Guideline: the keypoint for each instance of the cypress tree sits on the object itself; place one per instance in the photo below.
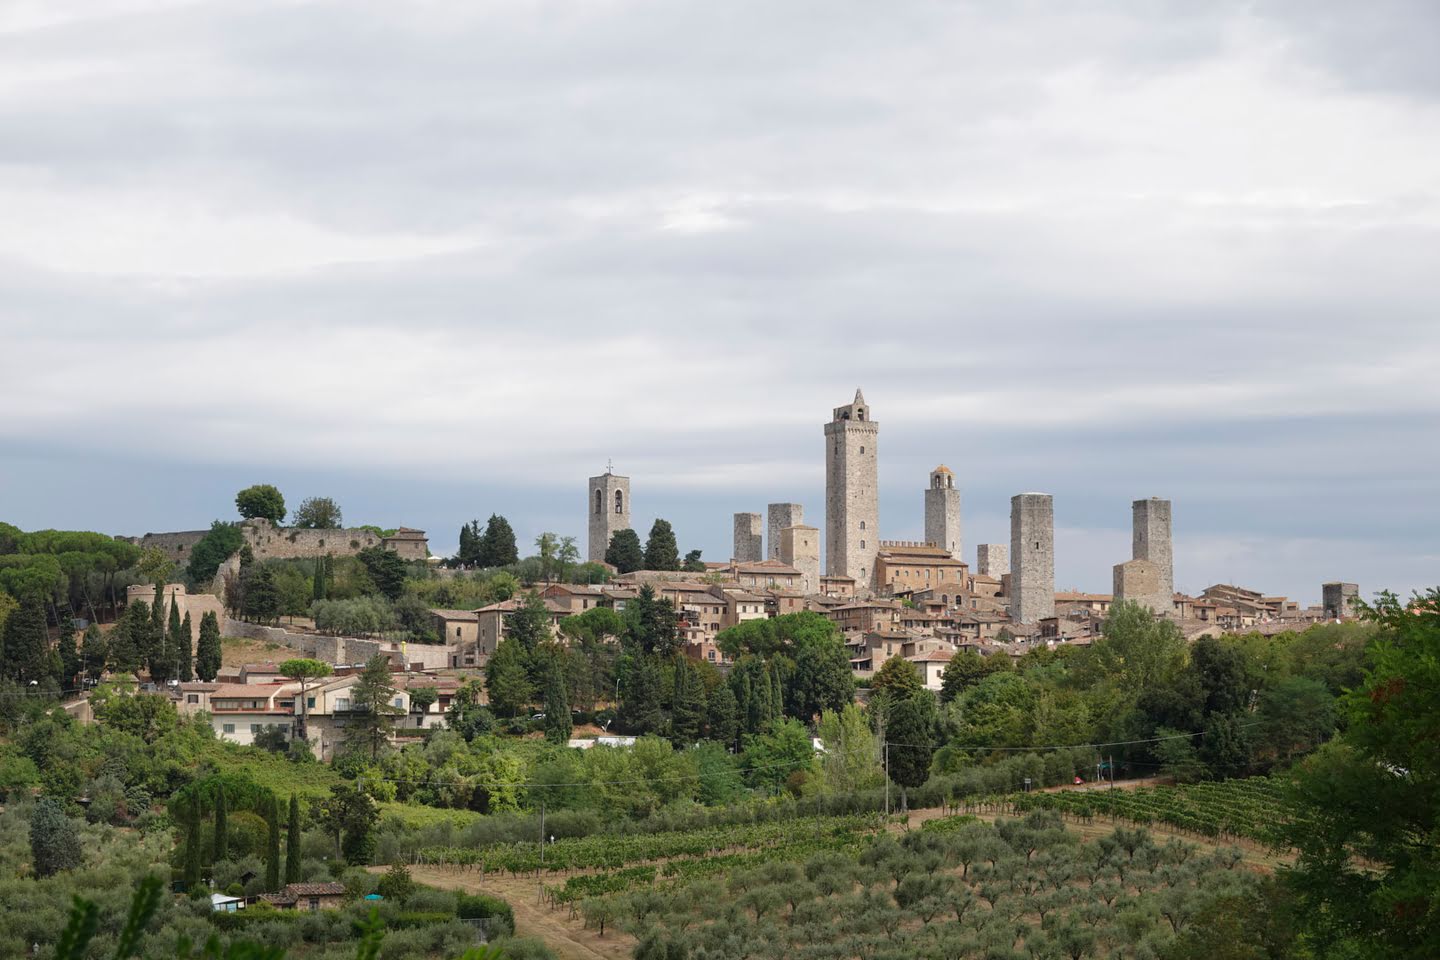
(558, 725)
(496, 546)
(177, 645)
(292, 842)
(207, 653)
(27, 642)
(624, 552)
(157, 609)
(272, 857)
(187, 660)
(661, 550)
(222, 830)
(688, 715)
(777, 696)
(192, 843)
(94, 651)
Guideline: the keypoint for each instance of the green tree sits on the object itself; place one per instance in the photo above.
(467, 716)
(318, 513)
(396, 885)
(129, 639)
(272, 847)
(292, 842)
(261, 501)
(468, 553)
(94, 652)
(624, 552)
(965, 669)
(567, 555)
(852, 760)
(1368, 833)
(1296, 716)
(723, 716)
(149, 716)
(687, 718)
(386, 568)
(177, 643)
(497, 546)
(693, 563)
(507, 679)
(350, 815)
(640, 695)
(822, 678)
(1137, 651)
(661, 550)
(547, 546)
(27, 642)
(54, 841)
(207, 650)
(262, 595)
(652, 623)
(372, 700)
(218, 545)
(182, 644)
(774, 757)
(421, 700)
(529, 625)
(909, 734)
(221, 848)
(557, 706)
(67, 649)
(194, 854)
(304, 671)
(897, 679)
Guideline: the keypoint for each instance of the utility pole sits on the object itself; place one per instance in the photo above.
(885, 749)
(1112, 771)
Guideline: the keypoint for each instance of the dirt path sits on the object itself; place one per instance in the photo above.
(568, 938)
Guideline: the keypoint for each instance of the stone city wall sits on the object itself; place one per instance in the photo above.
(269, 542)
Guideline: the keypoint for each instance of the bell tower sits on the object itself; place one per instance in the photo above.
(609, 509)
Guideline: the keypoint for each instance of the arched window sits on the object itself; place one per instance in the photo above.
(619, 502)
(862, 448)
(599, 502)
(862, 524)
(862, 544)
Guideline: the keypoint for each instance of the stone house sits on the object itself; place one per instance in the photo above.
(458, 628)
(907, 565)
(837, 585)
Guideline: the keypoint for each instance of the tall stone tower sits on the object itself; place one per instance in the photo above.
(852, 481)
(800, 548)
(1339, 599)
(747, 538)
(1149, 577)
(1150, 540)
(942, 512)
(609, 506)
(1032, 557)
(780, 516)
(992, 560)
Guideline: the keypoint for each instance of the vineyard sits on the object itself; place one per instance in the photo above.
(1248, 809)
(613, 852)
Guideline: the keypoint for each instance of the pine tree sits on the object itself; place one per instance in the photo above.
(558, 725)
(272, 857)
(624, 552)
(375, 712)
(221, 849)
(661, 550)
(207, 653)
(187, 660)
(292, 842)
(27, 642)
(497, 545)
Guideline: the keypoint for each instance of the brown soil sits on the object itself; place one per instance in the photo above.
(238, 651)
(568, 938)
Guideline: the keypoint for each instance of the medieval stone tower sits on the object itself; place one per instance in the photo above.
(942, 511)
(800, 548)
(1032, 557)
(1149, 578)
(852, 481)
(779, 516)
(609, 506)
(747, 538)
(992, 560)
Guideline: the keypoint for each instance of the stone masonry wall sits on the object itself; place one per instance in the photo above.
(852, 510)
(992, 560)
(1150, 540)
(1338, 599)
(747, 546)
(1032, 557)
(778, 517)
(1142, 582)
(267, 542)
(605, 519)
(942, 518)
(800, 548)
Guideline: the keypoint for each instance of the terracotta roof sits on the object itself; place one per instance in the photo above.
(249, 691)
(407, 533)
(315, 889)
(456, 614)
(1075, 596)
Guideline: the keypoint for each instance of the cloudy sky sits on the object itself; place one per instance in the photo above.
(442, 259)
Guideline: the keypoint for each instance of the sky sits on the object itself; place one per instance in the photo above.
(439, 260)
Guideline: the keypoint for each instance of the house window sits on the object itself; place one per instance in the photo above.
(227, 728)
(342, 703)
(314, 903)
(457, 631)
(192, 698)
(310, 702)
(400, 703)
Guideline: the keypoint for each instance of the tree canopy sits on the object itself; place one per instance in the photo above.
(261, 501)
(318, 513)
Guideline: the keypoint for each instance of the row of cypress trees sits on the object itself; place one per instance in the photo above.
(198, 857)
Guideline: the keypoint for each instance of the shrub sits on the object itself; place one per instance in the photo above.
(397, 884)
(479, 906)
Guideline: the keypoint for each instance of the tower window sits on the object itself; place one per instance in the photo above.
(862, 544)
(862, 524)
(619, 502)
(599, 502)
(862, 448)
